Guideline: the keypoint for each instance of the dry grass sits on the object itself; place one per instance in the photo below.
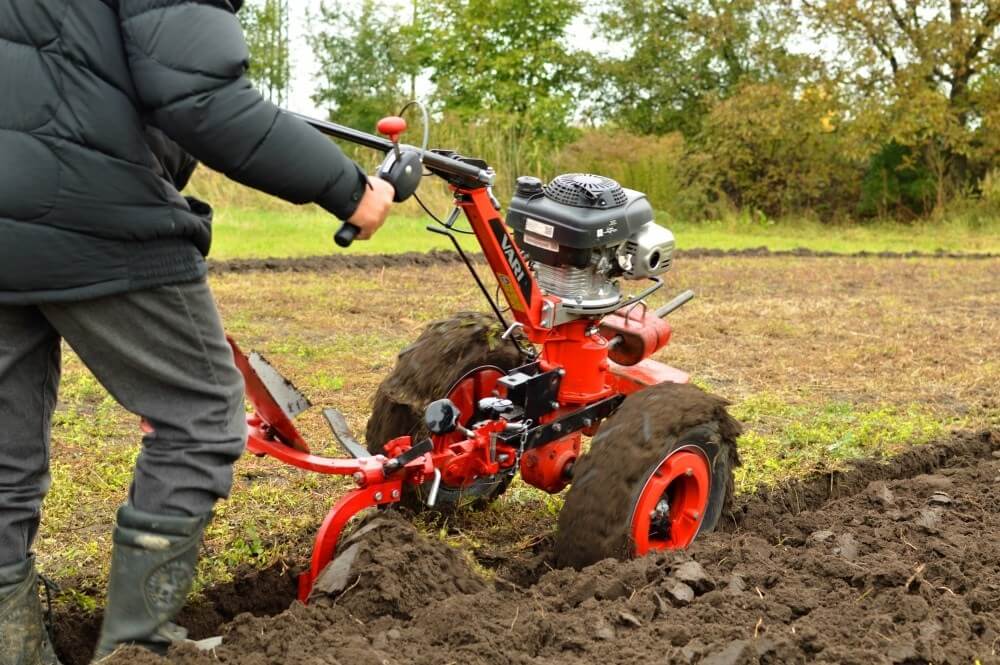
(825, 358)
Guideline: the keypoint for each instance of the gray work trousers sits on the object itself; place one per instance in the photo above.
(162, 355)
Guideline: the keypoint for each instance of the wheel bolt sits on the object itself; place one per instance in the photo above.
(689, 472)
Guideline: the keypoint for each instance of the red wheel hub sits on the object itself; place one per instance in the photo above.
(672, 504)
(471, 388)
(467, 461)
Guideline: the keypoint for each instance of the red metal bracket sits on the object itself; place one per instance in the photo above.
(340, 514)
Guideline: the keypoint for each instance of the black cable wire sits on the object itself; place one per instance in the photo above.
(423, 149)
(439, 220)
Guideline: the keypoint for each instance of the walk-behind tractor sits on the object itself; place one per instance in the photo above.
(477, 398)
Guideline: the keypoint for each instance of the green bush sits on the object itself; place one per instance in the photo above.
(897, 185)
(772, 150)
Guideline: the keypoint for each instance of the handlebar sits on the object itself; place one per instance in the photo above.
(410, 158)
(435, 162)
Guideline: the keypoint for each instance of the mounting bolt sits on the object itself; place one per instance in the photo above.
(359, 478)
(395, 494)
(378, 496)
(553, 405)
(556, 427)
(689, 472)
(587, 422)
(561, 372)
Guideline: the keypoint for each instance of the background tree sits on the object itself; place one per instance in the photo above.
(266, 25)
(504, 57)
(925, 74)
(367, 61)
(831, 108)
(680, 56)
(776, 151)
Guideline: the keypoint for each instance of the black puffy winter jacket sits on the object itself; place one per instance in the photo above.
(86, 208)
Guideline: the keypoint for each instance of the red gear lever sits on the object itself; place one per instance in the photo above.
(392, 127)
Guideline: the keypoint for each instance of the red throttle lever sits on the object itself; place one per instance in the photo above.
(403, 173)
(392, 127)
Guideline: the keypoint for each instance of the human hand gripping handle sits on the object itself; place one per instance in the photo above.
(398, 178)
(370, 215)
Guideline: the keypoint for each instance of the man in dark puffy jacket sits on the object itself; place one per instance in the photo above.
(100, 103)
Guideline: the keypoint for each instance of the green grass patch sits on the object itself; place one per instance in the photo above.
(249, 233)
(245, 233)
(785, 440)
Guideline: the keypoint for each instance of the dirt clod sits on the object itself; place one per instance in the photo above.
(679, 593)
(939, 498)
(736, 584)
(820, 536)
(881, 493)
(847, 547)
(693, 574)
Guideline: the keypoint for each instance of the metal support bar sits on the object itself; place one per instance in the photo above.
(482, 287)
(570, 424)
(432, 160)
(342, 432)
(679, 301)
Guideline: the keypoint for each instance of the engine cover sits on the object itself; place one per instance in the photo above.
(561, 222)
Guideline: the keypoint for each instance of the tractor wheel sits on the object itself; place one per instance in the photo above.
(460, 358)
(658, 473)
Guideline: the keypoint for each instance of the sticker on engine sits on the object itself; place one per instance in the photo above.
(539, 228)
(544, 243)
(609, 230)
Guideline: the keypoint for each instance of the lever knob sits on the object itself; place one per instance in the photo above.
(441, 417)
(391, 127)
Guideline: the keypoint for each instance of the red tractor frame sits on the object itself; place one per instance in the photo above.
(579, 373)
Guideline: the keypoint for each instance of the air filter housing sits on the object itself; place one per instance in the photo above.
(583, 190)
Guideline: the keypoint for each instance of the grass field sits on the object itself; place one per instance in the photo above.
(289, 232)
(824, 359)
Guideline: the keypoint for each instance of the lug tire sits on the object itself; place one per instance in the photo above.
(664, 429)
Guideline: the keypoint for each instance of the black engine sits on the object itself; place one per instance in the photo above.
(582, 231)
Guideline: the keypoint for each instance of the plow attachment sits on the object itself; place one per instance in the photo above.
(276, 402)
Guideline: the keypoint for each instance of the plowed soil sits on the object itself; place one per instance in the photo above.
(890, 562)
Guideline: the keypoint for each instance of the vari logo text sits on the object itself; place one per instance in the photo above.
(515, 263)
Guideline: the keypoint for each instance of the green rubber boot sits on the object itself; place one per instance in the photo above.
(152, 569)
(23, 637)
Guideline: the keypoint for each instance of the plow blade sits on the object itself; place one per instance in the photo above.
(275, 400)
(291, 401)
(342, 432)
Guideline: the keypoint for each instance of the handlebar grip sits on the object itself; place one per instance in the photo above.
(346, 234)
